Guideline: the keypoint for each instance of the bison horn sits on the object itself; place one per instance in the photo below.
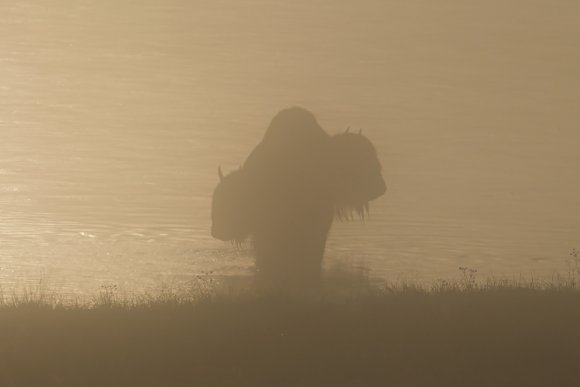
(220, 173)
(347, 129)
(360, 131)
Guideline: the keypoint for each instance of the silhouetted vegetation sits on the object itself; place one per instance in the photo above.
(449, 333)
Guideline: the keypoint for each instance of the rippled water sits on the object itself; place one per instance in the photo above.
(114, 117)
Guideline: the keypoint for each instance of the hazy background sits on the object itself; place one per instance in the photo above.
(114, 116)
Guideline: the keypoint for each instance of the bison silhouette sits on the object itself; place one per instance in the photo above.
(289, 189)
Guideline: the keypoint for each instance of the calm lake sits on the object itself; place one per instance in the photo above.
(114, 116)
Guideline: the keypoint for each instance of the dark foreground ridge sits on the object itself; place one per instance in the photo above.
(503, 335)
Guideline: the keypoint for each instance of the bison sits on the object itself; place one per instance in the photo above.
(289, 189)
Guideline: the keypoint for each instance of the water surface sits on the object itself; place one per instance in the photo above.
(114, 117)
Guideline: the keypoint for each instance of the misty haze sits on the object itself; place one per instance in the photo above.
(157, 154)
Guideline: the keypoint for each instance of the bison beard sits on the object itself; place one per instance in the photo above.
(287, 193)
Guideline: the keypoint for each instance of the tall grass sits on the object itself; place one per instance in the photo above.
(353, 332)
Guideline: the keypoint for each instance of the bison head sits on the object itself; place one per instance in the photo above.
(231, 212)
(357, 175)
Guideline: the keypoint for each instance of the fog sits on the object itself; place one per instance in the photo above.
(115, 115)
